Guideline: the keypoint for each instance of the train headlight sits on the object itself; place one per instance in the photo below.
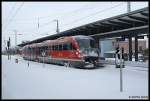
(77, 53)
(80, 51)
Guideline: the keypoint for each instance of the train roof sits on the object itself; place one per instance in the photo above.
(82, 37)
(59, 40)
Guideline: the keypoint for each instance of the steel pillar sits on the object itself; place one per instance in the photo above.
(136, 48)
(97, 42)
(130, 48)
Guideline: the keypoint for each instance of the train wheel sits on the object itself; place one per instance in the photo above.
(67, 64)
(70, 65)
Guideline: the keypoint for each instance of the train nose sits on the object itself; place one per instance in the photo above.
(89, 65)
(91, 61)
(90, 58)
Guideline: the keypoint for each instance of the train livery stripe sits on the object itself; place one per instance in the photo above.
(47, 58)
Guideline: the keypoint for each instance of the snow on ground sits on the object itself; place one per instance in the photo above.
(47, 81)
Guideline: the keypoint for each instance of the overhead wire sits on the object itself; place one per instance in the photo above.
(85, 16)
(94, 14)
(74, 12)
(80, 18)
(65, 14)
(13, 16)
(11, 10)
(98, 12)
(40, 18)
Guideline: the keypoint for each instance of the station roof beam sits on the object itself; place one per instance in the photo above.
(133, 22)
(132, 19)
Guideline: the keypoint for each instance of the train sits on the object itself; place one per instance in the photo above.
(71, 51)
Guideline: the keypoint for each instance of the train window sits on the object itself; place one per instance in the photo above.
(68, 46)
(37, 50)
(85, 43)
(57, 47)
(65, 47)
(49, 47)
(71, 47)
(46, 48)
(60, 47)
(40, 48)
(29, 49)
(32, 50)
(53, 47)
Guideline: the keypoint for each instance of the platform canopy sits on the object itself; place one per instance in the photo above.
(135, 22)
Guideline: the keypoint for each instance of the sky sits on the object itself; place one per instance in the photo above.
(33, 20)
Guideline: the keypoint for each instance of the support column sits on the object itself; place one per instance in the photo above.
(136, 48)
(130, 48)
(97, 42)
(148, 40)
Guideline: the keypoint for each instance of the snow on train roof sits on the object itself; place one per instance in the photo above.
(82, 37)
(59, 40)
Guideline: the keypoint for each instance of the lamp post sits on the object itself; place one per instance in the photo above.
(128, 7)
(57, 30)
(15, 31)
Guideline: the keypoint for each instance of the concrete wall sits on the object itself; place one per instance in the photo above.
(106, 46)
(125, 45)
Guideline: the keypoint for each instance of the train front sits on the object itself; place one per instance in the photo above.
(88, 51)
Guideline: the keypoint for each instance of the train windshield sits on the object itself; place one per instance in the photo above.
(85, 43)
(87, 46)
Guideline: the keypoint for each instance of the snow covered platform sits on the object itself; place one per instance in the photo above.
(47, 81)
(127, 63)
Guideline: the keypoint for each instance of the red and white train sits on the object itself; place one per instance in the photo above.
(74, 51)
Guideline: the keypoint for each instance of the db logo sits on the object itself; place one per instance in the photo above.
(43, 53)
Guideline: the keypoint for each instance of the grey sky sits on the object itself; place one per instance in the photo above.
(69, 14)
